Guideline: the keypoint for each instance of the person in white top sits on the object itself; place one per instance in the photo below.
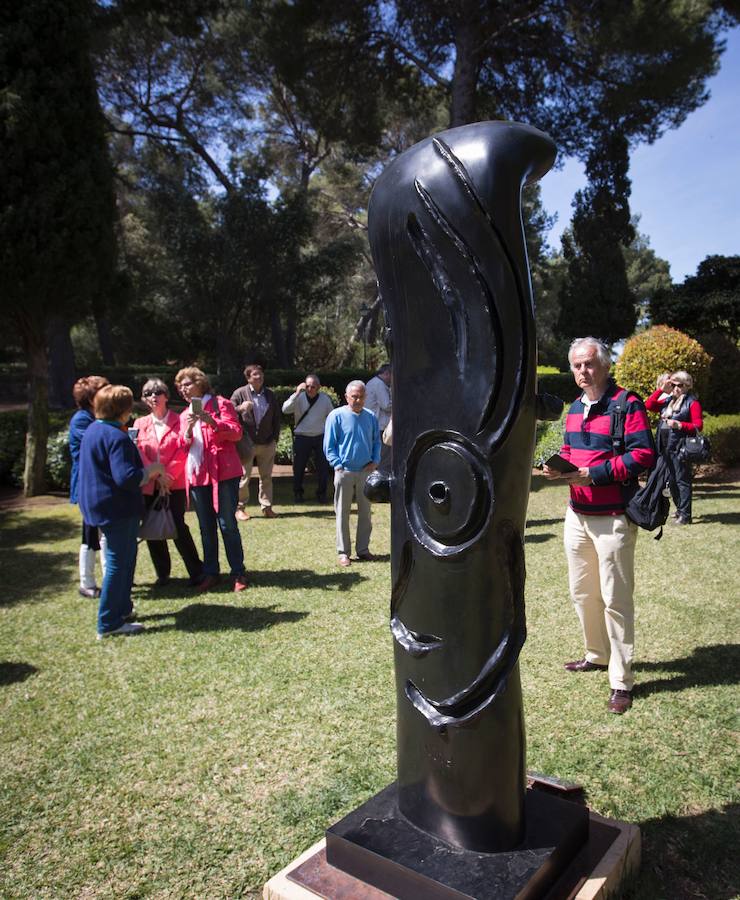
(378, 401)
(310, 407)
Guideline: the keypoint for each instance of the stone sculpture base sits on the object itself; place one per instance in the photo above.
(595, 871)
(378, 845)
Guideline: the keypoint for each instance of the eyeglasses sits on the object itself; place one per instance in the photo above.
(157, 393)
(676, 384)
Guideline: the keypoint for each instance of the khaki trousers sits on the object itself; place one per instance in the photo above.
(346, 485)
(601, 573)
(264, 456)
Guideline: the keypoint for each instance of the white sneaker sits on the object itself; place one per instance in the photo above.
(125, 629)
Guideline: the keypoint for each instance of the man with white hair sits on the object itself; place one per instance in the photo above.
(310, 406)
(599, 538)
(352, 447)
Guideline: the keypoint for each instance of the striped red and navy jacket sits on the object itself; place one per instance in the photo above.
(589, 444)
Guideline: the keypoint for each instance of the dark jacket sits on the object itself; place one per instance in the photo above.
(78, 425)
(110, 475)
(269, 427)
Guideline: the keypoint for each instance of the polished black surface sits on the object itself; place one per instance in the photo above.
(449, 251)
(378, 845)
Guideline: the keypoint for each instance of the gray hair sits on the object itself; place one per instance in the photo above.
(602, 351)
(314, 376)
(354, 384)
(683, 378)
(155, 384)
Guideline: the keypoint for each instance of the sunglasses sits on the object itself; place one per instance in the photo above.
(157, 393)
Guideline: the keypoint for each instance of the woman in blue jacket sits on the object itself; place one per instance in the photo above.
(84, 392)
(111, 476)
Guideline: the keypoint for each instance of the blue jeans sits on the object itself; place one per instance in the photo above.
(225, 519)
(120, 562)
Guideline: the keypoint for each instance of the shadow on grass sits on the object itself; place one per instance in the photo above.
(728, 518)
(33, 531)
(304, 513)
(540, 523)
(538, 538)
(685, 857)
(295, 579)
(11, 672)
(26, 573)
(715, 664)
(213, 617)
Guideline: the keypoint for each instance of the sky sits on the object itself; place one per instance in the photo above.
(685, 186)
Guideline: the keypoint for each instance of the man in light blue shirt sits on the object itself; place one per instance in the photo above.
(352, 447)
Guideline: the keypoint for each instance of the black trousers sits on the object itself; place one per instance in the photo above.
(680, 472)
(159, 551)
(303, 447)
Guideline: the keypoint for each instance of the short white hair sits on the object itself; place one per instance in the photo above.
(354, 384)
(602, 351)
(683, 378)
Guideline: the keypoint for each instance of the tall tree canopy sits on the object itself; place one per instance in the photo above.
(57, 247)
(707, 301)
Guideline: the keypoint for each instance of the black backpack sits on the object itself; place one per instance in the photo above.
(646, 506)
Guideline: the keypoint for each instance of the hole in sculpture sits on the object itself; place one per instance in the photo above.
(438, 491)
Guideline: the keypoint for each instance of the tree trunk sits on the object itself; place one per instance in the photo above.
(37, 432)
(278, 339)
(61, 363)
(290, 334)
(105, 339)
(465, 77)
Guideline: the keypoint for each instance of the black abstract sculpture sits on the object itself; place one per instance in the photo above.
(449, 251)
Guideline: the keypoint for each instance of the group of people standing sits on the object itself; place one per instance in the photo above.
(203, 457)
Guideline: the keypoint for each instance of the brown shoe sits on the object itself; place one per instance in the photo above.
(366, 556)
(207, 583)
(343, 560)
(269, 513)
(583, 665)
(619, 701)
(242, 515)
(240, 583)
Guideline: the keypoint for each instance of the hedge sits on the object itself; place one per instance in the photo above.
(657, 350)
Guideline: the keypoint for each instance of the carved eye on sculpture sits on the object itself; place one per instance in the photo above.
(448, 493)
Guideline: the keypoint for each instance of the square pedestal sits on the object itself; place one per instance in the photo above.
(379, 846)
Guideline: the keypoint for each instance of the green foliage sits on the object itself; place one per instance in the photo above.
(722, 394)
(56, 223)
(12, 443)
(657, 350)
(707, 301)
(647, 273)
(58, 461)
(724, 435)
(596, 298)
(561, 385)
(13, 449)
(549, 439)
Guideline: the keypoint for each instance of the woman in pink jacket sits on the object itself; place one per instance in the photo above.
(158, 440)
(209, 430)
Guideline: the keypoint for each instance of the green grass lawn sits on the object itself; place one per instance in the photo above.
(199, 758)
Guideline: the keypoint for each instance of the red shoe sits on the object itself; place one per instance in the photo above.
(240, 583)
(207, 583)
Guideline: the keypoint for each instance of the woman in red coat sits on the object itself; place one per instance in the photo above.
(680, 415)
(158, 440)
(209, 430)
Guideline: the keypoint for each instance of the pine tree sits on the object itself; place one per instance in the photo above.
(596, 298)
(57, 245)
